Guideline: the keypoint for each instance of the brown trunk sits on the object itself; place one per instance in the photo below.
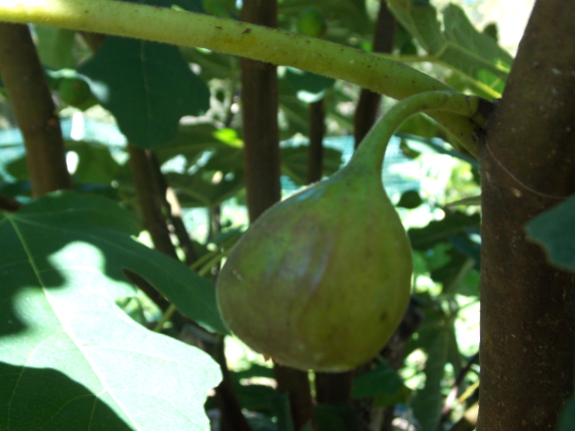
(34, 109)
(262, 169)
(150, 199)
(528, 165)
(296, 384)
(259, 114)
(316, 133)
(368, 104)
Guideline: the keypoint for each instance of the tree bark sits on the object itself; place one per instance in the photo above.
(527, 348)
(34, 109)
(368, 104)
(259, 96)
(316, 134)
(150, 200)
(262, 170)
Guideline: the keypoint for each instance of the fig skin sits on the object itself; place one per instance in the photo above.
(74, 91)
(321, 280)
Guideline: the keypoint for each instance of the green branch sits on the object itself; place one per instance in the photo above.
(190, 29)
(372, 149)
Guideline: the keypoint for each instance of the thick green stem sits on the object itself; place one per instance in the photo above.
(239, 38)
(370, 153)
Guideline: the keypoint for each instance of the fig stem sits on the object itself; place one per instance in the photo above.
(182, 28)
(371, 152)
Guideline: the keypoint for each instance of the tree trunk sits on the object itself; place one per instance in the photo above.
(527, 349)
(262, 168)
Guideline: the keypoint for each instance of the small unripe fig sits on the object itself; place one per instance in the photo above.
(312, 22)
(321, 280)
(74, 91)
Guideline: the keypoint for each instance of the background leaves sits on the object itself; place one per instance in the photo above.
(147, 86)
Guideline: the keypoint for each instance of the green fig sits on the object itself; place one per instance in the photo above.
(321, 280)
(74, 91)
(312, 22)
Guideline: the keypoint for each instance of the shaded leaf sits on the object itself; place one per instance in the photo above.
(439, 230)
(295, 162)
(147, 86)
(554, 230)
(212, 64)
(206, 187)
(283, 412)
(336, 417)
(95, 163)
(567, 418)
(255, 370)
(381, 380)
(410, 199)
(192, 141)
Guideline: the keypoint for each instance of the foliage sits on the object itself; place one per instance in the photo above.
(70, 355)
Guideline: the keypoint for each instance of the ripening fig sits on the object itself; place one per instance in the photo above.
(74, 91)
(321, 280)
(312, 22)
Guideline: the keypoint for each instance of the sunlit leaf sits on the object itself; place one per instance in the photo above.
(68, 353)
(459, 45)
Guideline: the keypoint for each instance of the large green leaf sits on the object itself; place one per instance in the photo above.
(554, 230)
(71, 359)
(83, 229)
(460, 46)
(147, 86)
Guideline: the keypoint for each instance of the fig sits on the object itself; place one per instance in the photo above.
(74, 91)
(322, 279)
(312, 22)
